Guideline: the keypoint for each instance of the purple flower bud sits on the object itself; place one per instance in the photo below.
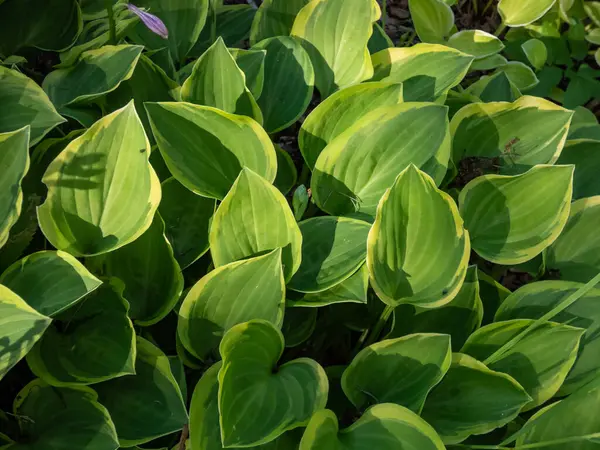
(152, 22)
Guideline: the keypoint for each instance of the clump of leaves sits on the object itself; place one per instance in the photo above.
(242, 226)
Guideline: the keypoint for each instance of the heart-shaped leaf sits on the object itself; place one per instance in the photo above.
(280, 399)
(275, 18)
(584, 154)
(476, 42)
(433, 19)
(518, 13)
(418, 250)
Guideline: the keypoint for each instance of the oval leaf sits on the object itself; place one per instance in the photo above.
(518, 13)
(536, 52)
(476, 42)
(433, 19)
(275, 18)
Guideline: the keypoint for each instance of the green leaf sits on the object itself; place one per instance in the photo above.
(518, 13)
(217, 81)
(488, 63)
(183, 18)
(400, 371)
(584, 154)
(288, 83)
(287, 175)
(472, 399)
(280, 398)
(51, 282)
(152, 277)
(254, 218)
(477, 43)
(25, 103)
(146, 405)
(433, 19)
(384, 427)
(187, 219)
(102, 192)
(340, 111)
(21, 327)
(492, 295)
(252, 63)
(520, 75)
(229, 295)
(205, 148)
(536, 52)
(379, 40)
(418, 250)
(493, 88)
(428, 71)
(92, 342)
(275, 18)
(299, 325)
(96, 73)
(333, 248)
(593, 36)
(540, 361)
(511, 219)
(390, 139)
(60, 418)
(323, 26)
(14, 164)
(575, 253)
(592, 9)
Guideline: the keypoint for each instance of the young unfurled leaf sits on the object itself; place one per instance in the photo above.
(275, 18)
(476, 42)
(433, 19)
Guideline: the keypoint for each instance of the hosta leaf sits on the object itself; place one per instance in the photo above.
(253, 218)
(280, 398)
(432, 19)
(518, 13)
(92, 342)
(96, 73)
(540, 361)
(400, 371)
(51, 282)
(592, 9)
(488, 63)
(527, 132)
(205, 148)
(62, 418)
(385, 427)
(492, 295)
(25, 103)
(472, 399)
(379, 40)
(229, 295)
(353, 172)
(217, 81)
(252, 63)
(340, 111)
(418, 250)
(288, 83)
(323, 25)
(102, 192)
(183, 18)
(299, 325)
(520, 75)
(428, 71)
(21, 327)
(476, 42)
(152, 277)
(14, 164)
(333, 248)
(575, 254)
(536, 52)
(493, 88)
(275, 18)
(148, 404)
(187, 219)
(585, 156)
(511, 219)
(287, 175)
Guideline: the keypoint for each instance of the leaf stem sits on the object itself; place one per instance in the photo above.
(375, 333)
(500, 29)
(111, 22)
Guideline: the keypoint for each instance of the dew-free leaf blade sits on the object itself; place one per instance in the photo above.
(476, 43)
(518, 13)
(433, 19)
(275, 18)
(584, 154)
(252, 63)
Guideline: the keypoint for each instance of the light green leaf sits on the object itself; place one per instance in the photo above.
(518, 13)
(231, 294)
(280, 398)
(575, 254)
(288, 83)
(390, 139)
(217, 81)
(384, 427)
(340, 111)
(592, 9)
(299, 325)
(324, 27)
(102, 192)
(51, 282)
(520, 75)
(205, 148)
(146, 405)
(428, 71)
(511, 219)
(418, 250)
(25, 103)
(252, 63)
(593, 36)
(488, 63)
(14, 164)
(400, 371)
(333, 248)
(92, 342)
(472, 399)
(584, 154)
(275, 18)
(187, 219)
(21, 327)
(476, 43)
(433, 19)
(536, 52)
(253, 218)
(287, 175)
